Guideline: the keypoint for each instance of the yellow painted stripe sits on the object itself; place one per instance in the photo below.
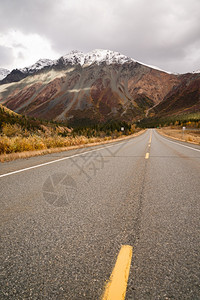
(147, 155)
(116, 287)
(150, 137)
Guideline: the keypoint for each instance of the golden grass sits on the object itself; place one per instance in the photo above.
(35, 142)
(191, 136)
(21, 147)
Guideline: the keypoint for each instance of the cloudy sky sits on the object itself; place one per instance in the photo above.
(163, 33)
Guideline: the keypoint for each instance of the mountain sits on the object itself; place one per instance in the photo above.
(3, 73)
(88, 88)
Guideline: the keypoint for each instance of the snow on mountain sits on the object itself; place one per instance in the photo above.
(196, 72)
(98, 56)
(74, 57)
(3, 73)
(40, 64)
(156, 68)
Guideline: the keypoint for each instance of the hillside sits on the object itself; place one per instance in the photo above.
(183, 99)
(12, 124)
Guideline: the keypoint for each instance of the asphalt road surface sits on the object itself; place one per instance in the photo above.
(65, 218)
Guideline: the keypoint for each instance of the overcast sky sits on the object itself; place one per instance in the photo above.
(163, 33)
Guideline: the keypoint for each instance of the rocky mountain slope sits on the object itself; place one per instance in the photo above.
(184, 98)
(93, 87)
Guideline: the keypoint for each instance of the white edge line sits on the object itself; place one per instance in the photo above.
(178, 143)
(60, 159)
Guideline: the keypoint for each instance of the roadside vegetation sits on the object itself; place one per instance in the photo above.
(21, 134)
(31, 136)
(191, 135)
(190, 120)
(173, 126)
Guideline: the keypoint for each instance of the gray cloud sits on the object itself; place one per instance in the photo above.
(164, 33)
(6, 56)
(20, 55)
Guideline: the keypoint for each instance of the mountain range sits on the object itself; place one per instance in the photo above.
(99, 86)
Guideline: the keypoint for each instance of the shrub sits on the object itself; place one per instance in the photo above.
(11, 130)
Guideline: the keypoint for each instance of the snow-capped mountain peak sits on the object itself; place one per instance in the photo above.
(3, 73)
(40, 64)
(99, 55)
(75, 57)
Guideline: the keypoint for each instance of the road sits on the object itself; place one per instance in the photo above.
(67, 220)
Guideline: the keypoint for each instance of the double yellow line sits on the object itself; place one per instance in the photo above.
(149, 145)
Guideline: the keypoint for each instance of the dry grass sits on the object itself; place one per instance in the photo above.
(191, 136)
(16, 144)
(20, 147)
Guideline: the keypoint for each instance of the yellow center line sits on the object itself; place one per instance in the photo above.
(150, 137)
(149, 145)
(116, 286)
